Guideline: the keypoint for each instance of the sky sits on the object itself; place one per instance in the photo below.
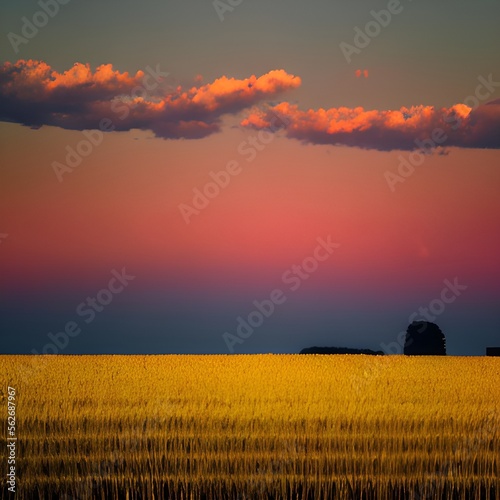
(248, 176)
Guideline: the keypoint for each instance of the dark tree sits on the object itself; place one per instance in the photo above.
(424, 339)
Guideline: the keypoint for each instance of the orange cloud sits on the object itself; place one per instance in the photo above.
(416, 127)
(37, 80)
(34, 94)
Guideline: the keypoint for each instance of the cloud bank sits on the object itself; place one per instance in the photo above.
(33, 94)
(404, 129)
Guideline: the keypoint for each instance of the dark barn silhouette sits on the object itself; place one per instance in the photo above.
(424, 339)
(493, 351)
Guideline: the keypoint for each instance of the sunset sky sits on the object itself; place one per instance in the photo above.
(368, 129)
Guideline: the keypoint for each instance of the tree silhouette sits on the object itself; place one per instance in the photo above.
(424, 339)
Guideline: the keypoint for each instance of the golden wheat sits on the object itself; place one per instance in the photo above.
(264, 426)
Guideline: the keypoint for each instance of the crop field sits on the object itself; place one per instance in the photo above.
(252, 427)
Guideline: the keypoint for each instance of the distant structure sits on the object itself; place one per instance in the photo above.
(424, 339)
(338, 350)
(493, 351)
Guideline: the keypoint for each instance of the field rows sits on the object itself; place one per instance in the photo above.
(220, 427)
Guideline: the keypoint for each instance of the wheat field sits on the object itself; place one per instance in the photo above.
(255, 427)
